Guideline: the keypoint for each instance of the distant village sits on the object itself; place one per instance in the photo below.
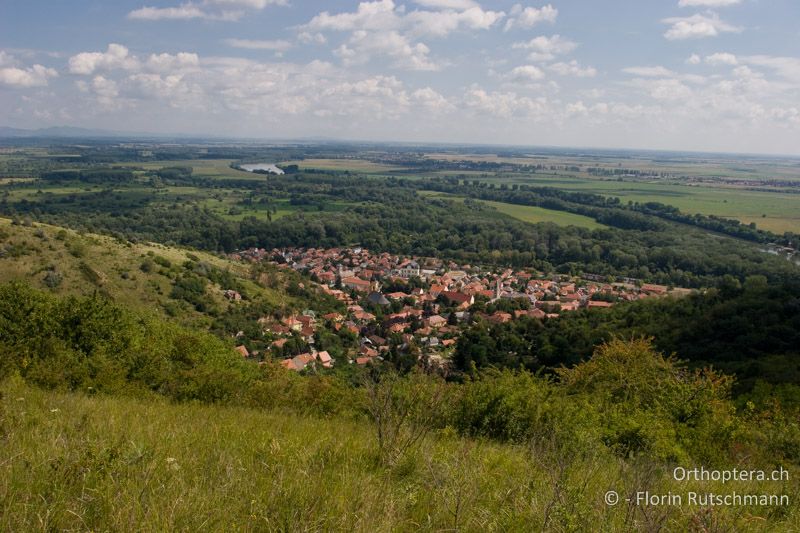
(400, 302)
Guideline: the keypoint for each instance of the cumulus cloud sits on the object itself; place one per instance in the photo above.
(378, 16)
(649, 72)
(448, 4)
(116, 56)
(182, 12)
(708, 3)
(530, 16)
(274, 45)
(572, 68)
(694, 59)
(504, 104)
(382, 28)
(786, 67)
(6, 59)
(35, 76)
(721, 58)
(208, 9)
(385, 15)
(432, 101)
(364, 45)
(697, 26)
(544, 48)
(526, 73)
(442, 23)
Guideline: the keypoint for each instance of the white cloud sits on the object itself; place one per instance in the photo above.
(378, 16)
(530, 16)
(708, 3)
(694, 59)
(364, 45)
(6, 59)
(669, 89)
(573, 68)
(35, 76)
(182, 12)
(274, 45)
(251, 4)
(442, 23)
(385, 15)
(307, 37)
(448, 4)
(697, 26)
(786, 67)
(649, 72)
(546, 48)
(526, 73)
(504, 104)
(721, 58)
(116, 56)
(208, 9)
(432, 101)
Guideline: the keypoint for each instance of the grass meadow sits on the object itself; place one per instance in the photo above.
(74, 462)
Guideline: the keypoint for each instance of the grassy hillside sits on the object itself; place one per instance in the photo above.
(73, 462)
(138, 276)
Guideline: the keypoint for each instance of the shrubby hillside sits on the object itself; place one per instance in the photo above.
(97, 434)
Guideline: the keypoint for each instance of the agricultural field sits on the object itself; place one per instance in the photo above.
(526, 213)
(345, 164)
(535, 215)
(207, 168)
(774, 211)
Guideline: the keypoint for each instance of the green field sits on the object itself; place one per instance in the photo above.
(353, 165)
(534, 215)
(782, 210)
(209, 168)
(527, 213)
(777, 211)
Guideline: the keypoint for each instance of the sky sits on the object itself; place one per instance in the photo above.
(701, 75)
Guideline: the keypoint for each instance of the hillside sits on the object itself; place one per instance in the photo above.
(73, 462)
(139, 276)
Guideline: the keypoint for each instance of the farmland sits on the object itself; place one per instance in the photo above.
(525, 213)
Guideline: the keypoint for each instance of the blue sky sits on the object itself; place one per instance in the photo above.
(720, 75)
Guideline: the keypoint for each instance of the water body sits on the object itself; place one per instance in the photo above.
(269, 167)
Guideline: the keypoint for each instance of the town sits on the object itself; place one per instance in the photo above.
(418, 305)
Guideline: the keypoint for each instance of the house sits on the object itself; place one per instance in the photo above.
(298, 363)
(500, 317)
(397, 295)
(458, 298)
(278, 344)
(243, 351)
(333, 317)
(409, 269)
(325, 358)
(357, 284)
(376, 340)
(368, 352)
(654, 289)
(435, 321)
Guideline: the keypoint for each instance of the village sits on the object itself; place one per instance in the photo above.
(420, 304)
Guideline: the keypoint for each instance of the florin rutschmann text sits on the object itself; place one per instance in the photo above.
(711, 498)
